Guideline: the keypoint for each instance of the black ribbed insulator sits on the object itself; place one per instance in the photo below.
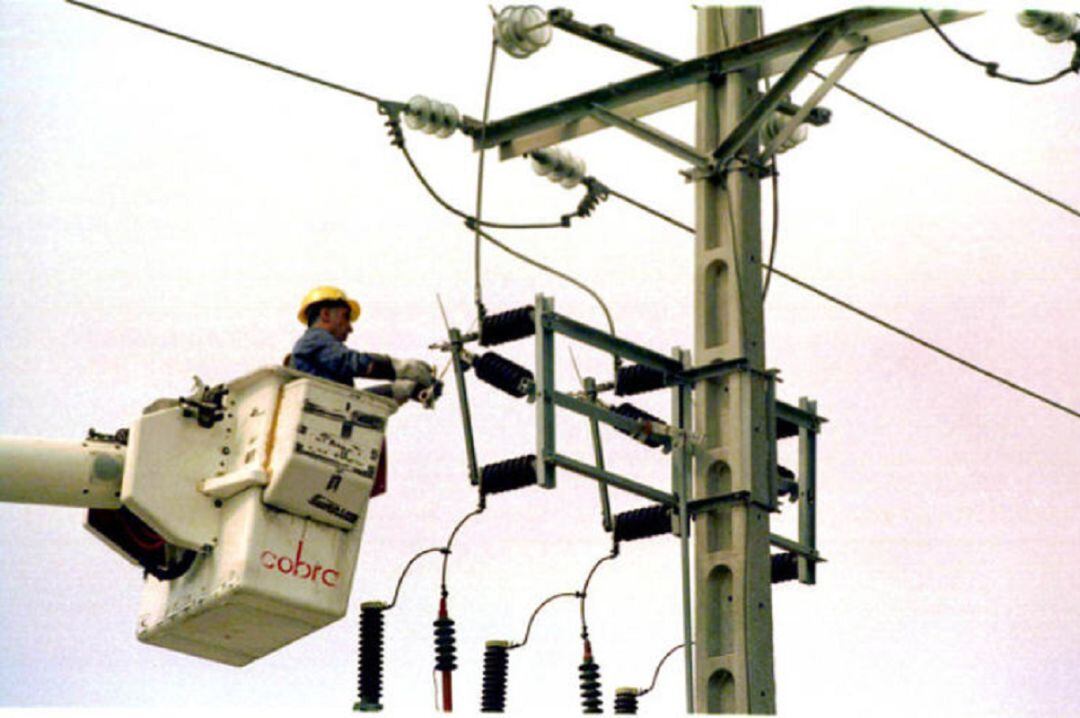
(507, 326)
(643, 523)
(445, 643)
(638, 379)
(508, 475)
(590, 687)
(496, 665)
(503, 374)
(632, 412)
(626, 702)
(369, 683)
(785, 567)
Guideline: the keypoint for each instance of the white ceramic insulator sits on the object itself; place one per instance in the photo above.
(60, 473)
(559, 166)
(521, 30)
(775, 125)
(431, 116)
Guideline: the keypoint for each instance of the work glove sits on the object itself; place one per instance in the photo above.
(414, 370)
(403, 389)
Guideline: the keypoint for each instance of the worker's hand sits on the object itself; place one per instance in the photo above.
(403, 389)
(414, 370)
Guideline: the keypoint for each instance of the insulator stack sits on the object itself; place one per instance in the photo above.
(626, 701)
(632, 412)
(559, 166)
(638, 379)
(589, 673)
(445, 644)
(521, 30)
(785, 567)
(496, 665)
(507, 326)
(643, 523)
(431, 116)
(503, 374)
(508, 475)
(371, 656)
(1053, 26)
(775, 125)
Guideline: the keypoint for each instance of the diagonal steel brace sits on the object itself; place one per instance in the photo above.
(812, 101)
(749, 125)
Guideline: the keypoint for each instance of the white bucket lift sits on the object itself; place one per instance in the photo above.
(253, 494)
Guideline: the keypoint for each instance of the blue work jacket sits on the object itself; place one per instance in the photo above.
(318, 352)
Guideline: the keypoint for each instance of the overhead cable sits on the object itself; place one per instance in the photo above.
(907, 335)
(992, 67)
(934, 138)
(226, 51)
(540, 265)
(477, 290)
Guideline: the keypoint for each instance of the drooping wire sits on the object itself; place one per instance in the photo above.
(992, 67)
(953, 148)
(226, 51)
(584, 593)
(532, 618)
(656, 673)
(449, 544)
(540, 265)
(774, 175)
(477, 290)
(464, 215)
(401, 579)
(922, 342)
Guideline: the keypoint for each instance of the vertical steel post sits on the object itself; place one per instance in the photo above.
(808, 493)
(598, 454)
(545, 393)
(463, 401)
(733, 622)
(682, 408)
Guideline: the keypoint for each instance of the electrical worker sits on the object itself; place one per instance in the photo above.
(328, 315)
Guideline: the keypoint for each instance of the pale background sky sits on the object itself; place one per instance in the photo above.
(164, 208)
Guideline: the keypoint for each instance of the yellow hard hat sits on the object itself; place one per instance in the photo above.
(327, 294)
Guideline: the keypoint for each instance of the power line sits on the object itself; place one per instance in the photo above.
(226, 51)
(891, 327)
(477, 289)
(992, 67)
(934, 138)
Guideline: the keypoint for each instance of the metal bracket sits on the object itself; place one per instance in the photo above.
(698, 506)
(656, 138)
(748, 126)
(811, 103)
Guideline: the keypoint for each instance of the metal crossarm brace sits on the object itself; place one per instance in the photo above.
(812, 102)
(698, 506)
(604, 35)
(553, 322)
(634, 487)
(653, 136)
(750, 123)
(599, 413)
(674, 85)
(795, 547)
(799, 416)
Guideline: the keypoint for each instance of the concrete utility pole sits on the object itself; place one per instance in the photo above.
(734, 407)
(733, 646)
